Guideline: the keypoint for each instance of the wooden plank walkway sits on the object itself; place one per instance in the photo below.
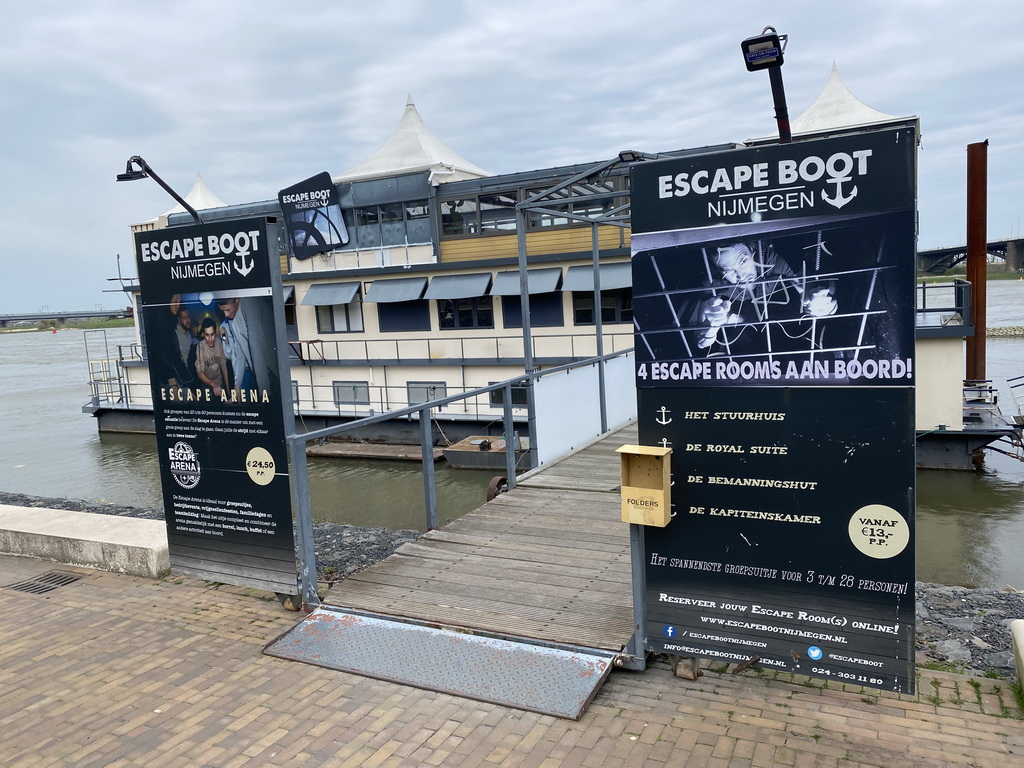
(548, 560)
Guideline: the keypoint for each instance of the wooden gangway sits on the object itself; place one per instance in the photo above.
(549, 560)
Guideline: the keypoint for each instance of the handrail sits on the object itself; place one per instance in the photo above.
(960, 290)
(297, 453)
(433, 347)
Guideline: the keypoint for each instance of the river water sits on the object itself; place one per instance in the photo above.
(50, 448)
(970, 524)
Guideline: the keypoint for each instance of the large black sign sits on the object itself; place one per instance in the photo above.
(791, 532)
(773, 305)
(846, 176)
(208, 314)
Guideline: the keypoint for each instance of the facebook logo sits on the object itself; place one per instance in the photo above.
(670, 631)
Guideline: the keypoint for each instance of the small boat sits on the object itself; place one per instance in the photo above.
(481, 452)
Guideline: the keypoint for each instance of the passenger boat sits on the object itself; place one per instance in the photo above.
(424, 298)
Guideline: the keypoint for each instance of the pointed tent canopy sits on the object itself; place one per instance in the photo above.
(200, 198)
(836, 107)
(412, 148)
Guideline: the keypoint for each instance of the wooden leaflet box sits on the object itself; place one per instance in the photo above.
(646, 485)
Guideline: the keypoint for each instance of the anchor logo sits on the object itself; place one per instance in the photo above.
(665, 442)
(246, 266)
(661, 418)
(839, 199)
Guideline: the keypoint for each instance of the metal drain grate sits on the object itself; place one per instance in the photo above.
(47, 582)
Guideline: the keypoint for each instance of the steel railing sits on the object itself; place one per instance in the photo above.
(563, 345)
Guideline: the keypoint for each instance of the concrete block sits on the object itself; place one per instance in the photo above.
(105, 542)
(1017, 636)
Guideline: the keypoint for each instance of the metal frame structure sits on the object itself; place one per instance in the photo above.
(618, 216)
(422, 412)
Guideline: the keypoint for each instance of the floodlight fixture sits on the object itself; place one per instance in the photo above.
(634, 156)
(765, 51)
(142, 170)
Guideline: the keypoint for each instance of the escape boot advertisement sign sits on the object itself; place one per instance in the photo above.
(774, 317)
(208, 315)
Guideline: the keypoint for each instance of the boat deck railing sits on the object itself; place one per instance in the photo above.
(554, 346)
(941, 305)
(981, 404)
(1016, 385)
(982, 413)
(422, 412)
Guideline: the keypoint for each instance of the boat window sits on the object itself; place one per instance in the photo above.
(340, 318)
(545, 310)
(425, 391)
(351, 392)
(616, 307)
(498, 212)
(518, 395)
(476, 312)
(367, 227)
(404, 316)
(458, 217)
(541, 220)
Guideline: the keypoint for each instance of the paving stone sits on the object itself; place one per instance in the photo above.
(183, 686)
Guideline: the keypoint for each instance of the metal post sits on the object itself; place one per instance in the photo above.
(510, 444)
(977, 250)
(636, 653)
(781, 110)
(524, 306)
(599, 327)
(429, 485)
(303, 521)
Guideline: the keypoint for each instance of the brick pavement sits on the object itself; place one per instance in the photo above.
(118, 671)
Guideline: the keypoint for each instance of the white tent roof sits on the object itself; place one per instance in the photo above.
(412, 148)
(200, 198)
(836, 107)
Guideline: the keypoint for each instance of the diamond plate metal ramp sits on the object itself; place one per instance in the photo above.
(552, 681)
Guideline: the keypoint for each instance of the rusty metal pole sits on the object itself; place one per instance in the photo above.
(977, 254)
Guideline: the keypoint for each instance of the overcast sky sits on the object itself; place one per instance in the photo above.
(259, 95)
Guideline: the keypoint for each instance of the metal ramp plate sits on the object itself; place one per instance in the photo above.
(551, 681)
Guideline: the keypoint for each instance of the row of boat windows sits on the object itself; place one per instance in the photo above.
(477, 312)
(393, 224)
(403, 223)
(358, 393)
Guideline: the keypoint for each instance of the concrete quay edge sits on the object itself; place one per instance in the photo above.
(128, 545)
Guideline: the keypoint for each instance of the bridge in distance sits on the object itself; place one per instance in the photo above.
(938, 260)
(28, 318)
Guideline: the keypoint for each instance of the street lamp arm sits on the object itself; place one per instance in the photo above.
(146, 170)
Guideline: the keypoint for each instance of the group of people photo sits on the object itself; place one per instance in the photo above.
(214, 342)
